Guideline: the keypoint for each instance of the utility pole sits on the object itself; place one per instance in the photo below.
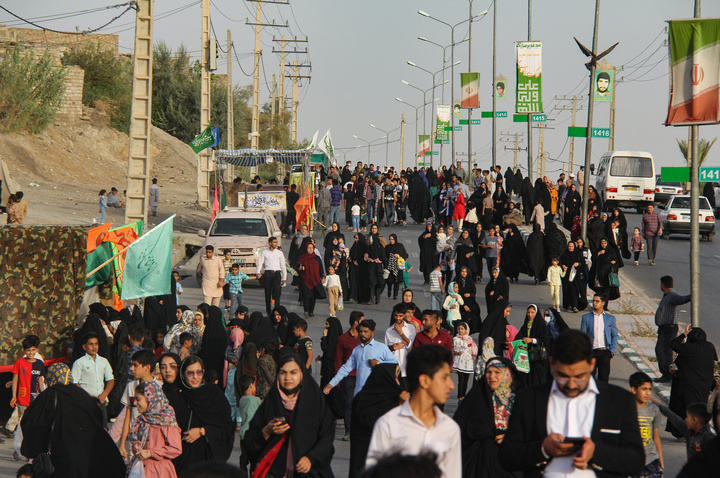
(469, 125)
(494, 109)
(283, 52)
(230, 112)
(272, 112)
(402, 142)
(295, 78)
(515, 149)
(204, 161)
(588, 137)
(255, 124)
(611, 142)
(529, 116)
(541, 157)
(574, 110)
(695, 214)
(138, 177)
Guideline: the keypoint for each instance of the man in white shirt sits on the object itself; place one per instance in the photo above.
(573, 426)
(93, 373)
(603, 332)
(399, 338)
(271, 267)
(418, 425)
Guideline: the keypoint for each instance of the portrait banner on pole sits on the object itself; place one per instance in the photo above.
(443, 120)
(604, 85)
(470, 89)
(694, 72)
(501, 85)
(528, 97)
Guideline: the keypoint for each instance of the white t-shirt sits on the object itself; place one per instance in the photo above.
(392, 338)
(355, 210)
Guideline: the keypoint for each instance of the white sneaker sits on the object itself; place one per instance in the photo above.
(94, 221)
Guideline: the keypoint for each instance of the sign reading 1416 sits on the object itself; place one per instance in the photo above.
(601, 132)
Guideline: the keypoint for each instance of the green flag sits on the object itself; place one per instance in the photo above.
(203, 140)
(148, 263)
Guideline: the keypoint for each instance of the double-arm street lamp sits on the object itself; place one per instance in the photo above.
(416, 119)
(368, 144)
(452, 59)
(387, 141)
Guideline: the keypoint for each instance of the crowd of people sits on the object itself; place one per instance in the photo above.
(165, 389)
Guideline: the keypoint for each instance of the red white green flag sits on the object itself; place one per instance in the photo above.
(469, 89)
(694, 72)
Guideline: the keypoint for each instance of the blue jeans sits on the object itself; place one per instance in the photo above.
(334, 215)
(230, 393)
(236, 300)
(436, 300)
(356, 222)
(371, 211)
(101, 217)
(389, 211)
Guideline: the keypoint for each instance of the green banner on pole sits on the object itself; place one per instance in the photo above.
(520, 118)
(464, 121)
(528, 97)
(577, 131)
(675, 175)
(443, 122)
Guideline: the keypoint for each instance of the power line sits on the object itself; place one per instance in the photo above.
(237, 60)
(62, 16)
(160, 16)
(130, 6)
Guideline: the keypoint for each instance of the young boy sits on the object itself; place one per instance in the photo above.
(554, 277)
(636, 244)
(429, 376)
(436, 288)
(696, 427)
(28, 380)
(233, 281)
(186, 343)
(135, 338)
(178, 287)
(304, 345)
(355, 210)
(247, 406)
(141, 368)
(227, 264)
(650, 420)
(334, 289)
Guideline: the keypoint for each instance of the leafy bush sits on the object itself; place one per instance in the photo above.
(31, 91)
(108, 81)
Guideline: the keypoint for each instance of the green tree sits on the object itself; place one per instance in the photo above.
(108, 81)
(704, 146)
(31, 91)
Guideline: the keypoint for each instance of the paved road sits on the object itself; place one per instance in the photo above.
(522, 294)
(673, 258)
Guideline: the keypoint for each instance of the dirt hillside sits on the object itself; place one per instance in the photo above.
(61, 170)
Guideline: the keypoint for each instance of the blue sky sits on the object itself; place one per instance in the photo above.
(359, 51)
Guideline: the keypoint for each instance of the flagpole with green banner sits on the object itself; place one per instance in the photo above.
(148, 263)
(204, 140)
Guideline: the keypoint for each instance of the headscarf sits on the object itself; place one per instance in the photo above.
(261, 329)
(508, 340)
(58, 374)
(186, 324)
(555, 323)
(237, 336)
(503, 397)
(200, 329)
(335, 330)
(214, 341)
(159, 412)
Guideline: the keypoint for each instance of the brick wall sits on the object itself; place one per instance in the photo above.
(71, 108)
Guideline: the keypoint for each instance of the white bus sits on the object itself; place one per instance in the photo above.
(627, 179)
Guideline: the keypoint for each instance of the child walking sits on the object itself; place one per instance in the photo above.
(464, 353)
(355, 210)
(27, 382)
(155, 435)
(334, 289)
(636, 244)
(452, 304)
(650, 420)
(102, 202)
(436, 288)
(554, 278)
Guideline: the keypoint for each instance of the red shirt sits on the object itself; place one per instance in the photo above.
(346, 343)
(28, 379)
(442, 338)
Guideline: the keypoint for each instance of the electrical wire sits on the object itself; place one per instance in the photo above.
(130, 6)
(237, 60)
(158, 17)
(212, 27)
(62, 16)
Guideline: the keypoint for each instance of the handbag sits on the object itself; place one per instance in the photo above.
(613, 280)
(537, 352)
(520, 356)
(319, 292)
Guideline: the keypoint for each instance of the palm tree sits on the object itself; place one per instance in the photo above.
(703, 148)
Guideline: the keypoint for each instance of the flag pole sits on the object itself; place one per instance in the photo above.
(92, 272)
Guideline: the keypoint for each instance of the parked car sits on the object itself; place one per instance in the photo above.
(245, 232)
(664, 189)
(675, 216)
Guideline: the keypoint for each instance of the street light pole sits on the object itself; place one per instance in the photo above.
(368, 146)
(387, 141)
(416, 122)
(494, 120)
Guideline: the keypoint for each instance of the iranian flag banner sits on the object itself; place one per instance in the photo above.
(423, 144)
(694, 72)
(469, 89)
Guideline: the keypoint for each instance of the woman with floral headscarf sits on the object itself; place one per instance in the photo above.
(483, 418)
(186, 324)
(155, 434)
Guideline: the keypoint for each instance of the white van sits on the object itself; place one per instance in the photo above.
(627, 179)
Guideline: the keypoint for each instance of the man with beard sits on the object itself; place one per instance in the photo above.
(369, 353)
(573, 423)
(349, 200)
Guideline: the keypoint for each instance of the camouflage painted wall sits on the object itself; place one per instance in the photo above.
(42, 280)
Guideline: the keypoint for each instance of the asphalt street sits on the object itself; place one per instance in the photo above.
(522, 294)
(673, 258)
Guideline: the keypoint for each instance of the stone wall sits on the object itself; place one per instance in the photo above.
(71, 108)
(61, 41)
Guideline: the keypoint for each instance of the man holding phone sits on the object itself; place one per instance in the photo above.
(574, 425)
